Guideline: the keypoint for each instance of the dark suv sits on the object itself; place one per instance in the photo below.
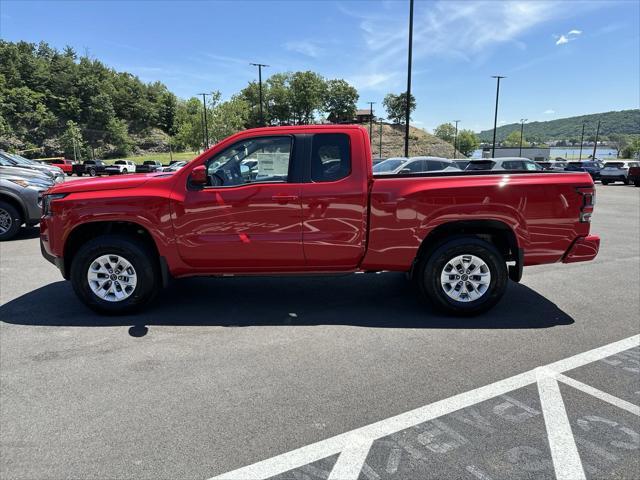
(589, 166)
(90, 167)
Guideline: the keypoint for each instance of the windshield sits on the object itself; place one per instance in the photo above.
(120, 162)
(388, 165)
(614, 165)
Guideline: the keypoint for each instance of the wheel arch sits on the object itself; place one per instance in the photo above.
(89, 230)
(15, 202)
(495, 232)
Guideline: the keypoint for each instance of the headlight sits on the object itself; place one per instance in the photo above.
(46, 202)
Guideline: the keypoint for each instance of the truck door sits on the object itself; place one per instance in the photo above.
(334, 202)
(249, 216)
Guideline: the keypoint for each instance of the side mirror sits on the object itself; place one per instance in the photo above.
(198, 176)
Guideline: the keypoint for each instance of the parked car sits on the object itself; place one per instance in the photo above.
(507, 163)
(174, 166)
(121, 166)
(556, 165)
(149, 166)
(10, 159)
(90, 167)
(591, 167)
(314, 207)
(634, 174)
(20, 199)
(62, 163)
(613, 172)
(389, 165)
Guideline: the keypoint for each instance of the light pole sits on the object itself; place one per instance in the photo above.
(455, 140)
(495, 118)
(408, 106)
(595, 144)
(260, 65)
(371, 121)
(581, 141)
(380, 151)
(522, 120)
(205, 134)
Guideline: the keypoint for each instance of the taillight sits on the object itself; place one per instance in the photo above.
(588, 203)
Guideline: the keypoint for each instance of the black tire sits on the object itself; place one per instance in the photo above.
(430, 268)
(636, 183)
(605, 182)
(626, 181)
(92, 172)
(9, 213)
(136, 253)
(125, 171)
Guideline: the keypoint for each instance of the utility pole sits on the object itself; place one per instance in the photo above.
(260, 65)
(495, 118)
(371, 121)
(380, 151)
(522, 120)
(455, 140)
(205, 125)
(408, 106)
(581, 141)
(595, 144)
(75, 156)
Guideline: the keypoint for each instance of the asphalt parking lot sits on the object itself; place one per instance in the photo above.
(340, 377)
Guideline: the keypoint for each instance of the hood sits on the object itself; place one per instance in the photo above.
(25, 173)
(102, 183)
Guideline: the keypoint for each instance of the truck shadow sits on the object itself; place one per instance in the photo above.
(369, 300)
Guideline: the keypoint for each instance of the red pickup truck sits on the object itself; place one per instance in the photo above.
(301, 200)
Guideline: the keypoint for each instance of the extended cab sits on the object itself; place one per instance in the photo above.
(303, 199)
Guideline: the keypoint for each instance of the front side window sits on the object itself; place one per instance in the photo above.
(255, 160)
(388, 165)
(330, 157)
(416, 166)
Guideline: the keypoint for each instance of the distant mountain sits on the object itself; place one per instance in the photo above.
(625, 121)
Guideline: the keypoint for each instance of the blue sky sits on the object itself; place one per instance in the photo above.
(562, 58)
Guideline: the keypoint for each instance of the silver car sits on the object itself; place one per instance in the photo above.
(12, 159)
(20, 199)
(400, 165)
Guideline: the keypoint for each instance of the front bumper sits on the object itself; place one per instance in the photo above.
(57, 261)
(584, 249)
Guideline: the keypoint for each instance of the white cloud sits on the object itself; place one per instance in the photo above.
(549, 112)
(304, 47)
(569, 37)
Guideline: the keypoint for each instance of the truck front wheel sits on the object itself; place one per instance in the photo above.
(115, 274)
(464, 276)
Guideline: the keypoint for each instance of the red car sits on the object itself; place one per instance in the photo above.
(303, 199)
(65, 165)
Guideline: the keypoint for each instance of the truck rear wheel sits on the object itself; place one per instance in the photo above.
(464, 276)
(115, 274)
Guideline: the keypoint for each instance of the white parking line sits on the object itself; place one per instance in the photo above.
(369, 433)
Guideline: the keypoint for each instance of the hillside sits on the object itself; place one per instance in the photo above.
(420, 143)
(624, 121)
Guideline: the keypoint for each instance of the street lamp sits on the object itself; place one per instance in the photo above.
(455, 140)
(260, 65)
(371, 121)
(495, 118)
(522, 120)
(408, 106)
(595, 144)
(205, 126)
(380, 151)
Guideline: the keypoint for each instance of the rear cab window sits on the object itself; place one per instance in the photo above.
(330, 157)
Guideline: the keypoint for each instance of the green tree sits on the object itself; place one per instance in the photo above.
(446, 132)
(251, 95)
(396, 106)
(228, 118)
(307, 90)
(513, 140)
(118, 137)
(632, 150)
(278, 97)
(467, 142)
(71, 141)
(340, 101)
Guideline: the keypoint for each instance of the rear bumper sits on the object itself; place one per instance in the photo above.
(584, 249)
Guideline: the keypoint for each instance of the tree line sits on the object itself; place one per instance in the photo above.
(56, 102)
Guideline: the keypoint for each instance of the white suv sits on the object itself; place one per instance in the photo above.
(617, 171)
